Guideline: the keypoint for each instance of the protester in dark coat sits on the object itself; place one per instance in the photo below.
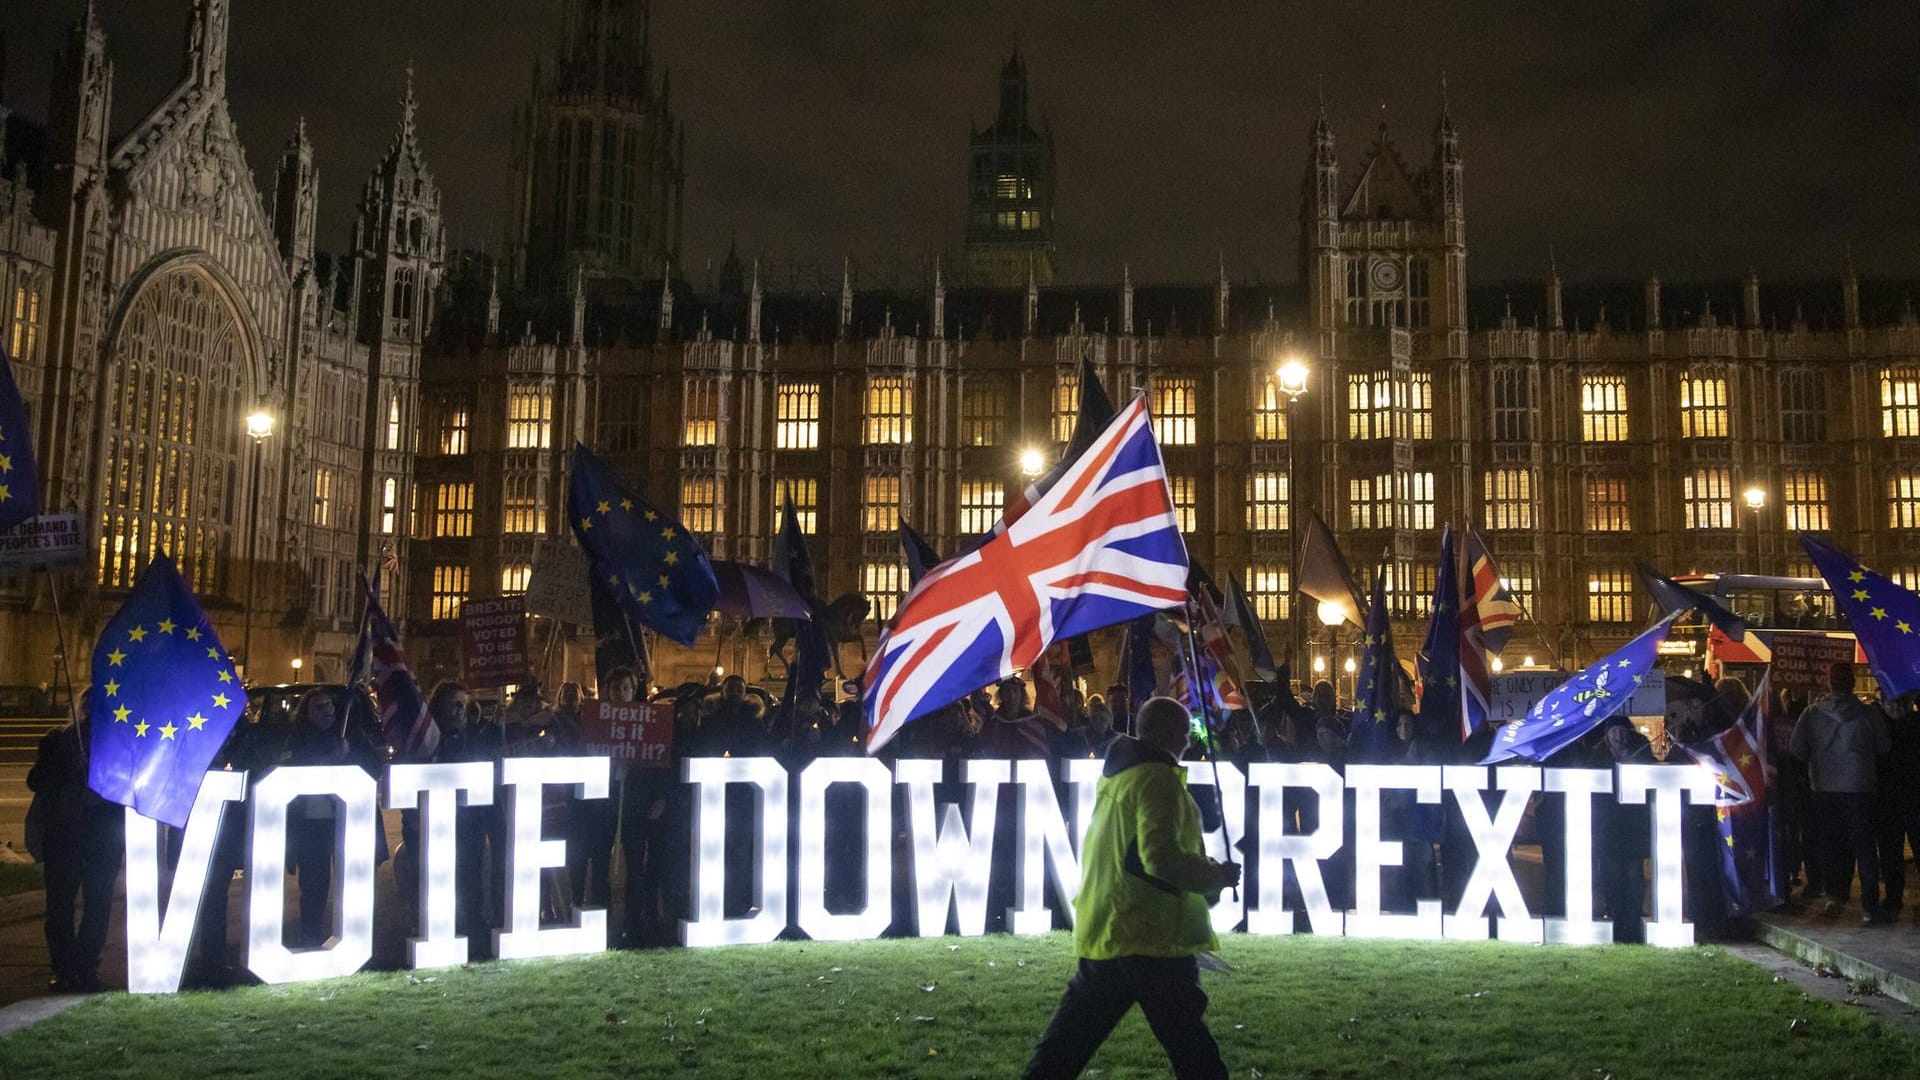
(1624, 841)
(80, 840)
(1841, 739)
(313, 829)
(1896, 807)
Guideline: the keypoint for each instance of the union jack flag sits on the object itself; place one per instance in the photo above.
(1099, 547)
(1737, 760)
(404, 722)
(1495, 607)
(1487, 615)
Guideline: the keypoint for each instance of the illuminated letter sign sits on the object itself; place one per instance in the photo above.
(351, 943)
(1667, 783)
(528, 855)
(434, 789)
(948, 860)
(1492, 876)
(710, 777)
(1301, 853)
(1371, 854)
(1044, 852)
(1580, 786)
(876, 868)
(951, 864)
(156, 947)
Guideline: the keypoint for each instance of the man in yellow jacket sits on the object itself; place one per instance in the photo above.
(1142, 912)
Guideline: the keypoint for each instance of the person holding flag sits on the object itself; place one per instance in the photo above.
(79, 839)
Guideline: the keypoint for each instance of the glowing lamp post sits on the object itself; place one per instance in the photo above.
(1291, 377)
(1756, 497)
(1032, 463)
(259, 429)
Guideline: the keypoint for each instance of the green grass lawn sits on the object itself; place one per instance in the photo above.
(958, 1008)
(19, 878)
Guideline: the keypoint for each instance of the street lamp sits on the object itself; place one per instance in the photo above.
(1291, 378)
(1756, 497)
(1032, 462)
(259, 429)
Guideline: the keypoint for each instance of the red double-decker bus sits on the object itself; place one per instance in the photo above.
(1772, 608)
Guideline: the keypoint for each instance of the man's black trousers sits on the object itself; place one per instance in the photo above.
(1100, 993)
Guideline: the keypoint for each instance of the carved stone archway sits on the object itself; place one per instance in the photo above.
(182, 370)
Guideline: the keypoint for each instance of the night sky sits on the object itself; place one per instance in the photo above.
(1689, 138)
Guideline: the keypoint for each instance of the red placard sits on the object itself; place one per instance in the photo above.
(493, 642)
(639, 734)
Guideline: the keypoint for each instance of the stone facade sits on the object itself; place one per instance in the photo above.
(168, 301)
(427, 399)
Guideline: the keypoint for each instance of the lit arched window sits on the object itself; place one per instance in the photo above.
(174, 434)
(393, 422)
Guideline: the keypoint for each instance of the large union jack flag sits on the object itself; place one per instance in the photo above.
(404, 721)
(1101, 546)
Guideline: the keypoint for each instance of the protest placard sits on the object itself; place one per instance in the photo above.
(493, 642)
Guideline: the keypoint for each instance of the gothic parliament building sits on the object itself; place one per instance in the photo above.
(426, 399)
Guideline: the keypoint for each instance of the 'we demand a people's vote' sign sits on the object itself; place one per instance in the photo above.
(951, 853)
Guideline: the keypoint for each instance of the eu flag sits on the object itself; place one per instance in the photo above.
(649, 561)
(164, 698)
(1884, 617)
(1583, 702)
(1371, 740)
(19, 479)
(813, 653)
(1671, 596)
(1439, 660)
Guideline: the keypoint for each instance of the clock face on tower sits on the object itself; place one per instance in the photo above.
(1385, 275)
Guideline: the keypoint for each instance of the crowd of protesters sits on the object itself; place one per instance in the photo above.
(1846, 797)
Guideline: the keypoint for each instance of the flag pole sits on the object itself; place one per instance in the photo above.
(1206, 717)
(65, 671)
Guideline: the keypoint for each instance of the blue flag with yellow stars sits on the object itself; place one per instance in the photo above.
(1371, 741)
(646, 558)
(1885, 617)
(19, 479)
(1582, 703)
(164, 698)
(1439, 659)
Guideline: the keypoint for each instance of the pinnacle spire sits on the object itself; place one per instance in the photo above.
(409, 106)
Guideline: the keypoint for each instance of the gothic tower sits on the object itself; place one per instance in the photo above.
(1010, 191)
(295, 195)
(1390, 248)
(599, 159)
(76, 205)
(399, 245)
